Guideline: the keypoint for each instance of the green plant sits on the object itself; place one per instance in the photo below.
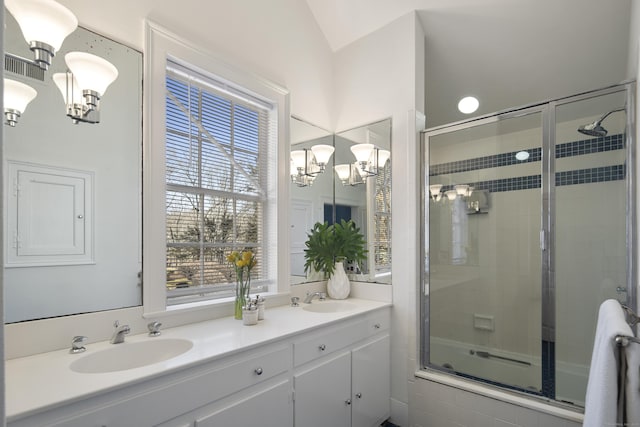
(328, 244)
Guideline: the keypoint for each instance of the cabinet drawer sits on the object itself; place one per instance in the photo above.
(327, 341)
(271, 407)
(378, 321)
(198, 388)
(245, 373)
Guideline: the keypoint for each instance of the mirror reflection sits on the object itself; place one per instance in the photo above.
(311, 192)
(363, 194)
(358, 188)
(72, 205)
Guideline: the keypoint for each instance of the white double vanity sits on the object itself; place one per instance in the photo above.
(327, 367)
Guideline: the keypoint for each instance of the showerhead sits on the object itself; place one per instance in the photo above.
(595, 128)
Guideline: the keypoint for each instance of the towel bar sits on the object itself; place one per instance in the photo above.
(623, 340)
(633, 317)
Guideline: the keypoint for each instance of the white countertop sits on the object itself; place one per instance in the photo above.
(36, 383)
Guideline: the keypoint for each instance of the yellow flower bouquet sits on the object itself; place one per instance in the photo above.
(242, 262)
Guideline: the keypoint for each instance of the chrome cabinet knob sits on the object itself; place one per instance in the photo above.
(322, 347)
(377, 326)
(359, 395)
(348, 402)
(258, 371)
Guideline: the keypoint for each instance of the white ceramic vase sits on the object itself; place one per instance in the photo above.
(338, 285)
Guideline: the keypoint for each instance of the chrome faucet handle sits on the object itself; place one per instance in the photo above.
(119, 333)
(322, 296)
(76, 344)
(154, 328)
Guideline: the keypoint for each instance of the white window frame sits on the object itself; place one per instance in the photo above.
(161, 46)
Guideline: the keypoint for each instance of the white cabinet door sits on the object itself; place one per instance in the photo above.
(49, 216)
(371, 383)
(322, 394)
(270, 408)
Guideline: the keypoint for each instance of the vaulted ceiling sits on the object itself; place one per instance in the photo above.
(507, 53)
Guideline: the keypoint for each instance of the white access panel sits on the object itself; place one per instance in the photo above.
(49, 216)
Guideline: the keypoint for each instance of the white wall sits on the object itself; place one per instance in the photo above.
(278, 39)
(379, 76)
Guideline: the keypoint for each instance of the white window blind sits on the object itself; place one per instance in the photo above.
(217, 150)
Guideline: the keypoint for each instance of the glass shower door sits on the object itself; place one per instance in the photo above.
(590, 254)
(484, 263)
(529, 225)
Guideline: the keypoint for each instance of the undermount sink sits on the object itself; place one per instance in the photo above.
(329, 306)
(129, 355)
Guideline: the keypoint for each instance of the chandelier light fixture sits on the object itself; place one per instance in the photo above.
(44, 24)
(308, 163)
(16, 98)
(453, 192)
(349, 174)
(84, 84)
(369, 158)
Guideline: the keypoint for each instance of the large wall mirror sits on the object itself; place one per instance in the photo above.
(311, 193)
(347, 189)
(72, 202)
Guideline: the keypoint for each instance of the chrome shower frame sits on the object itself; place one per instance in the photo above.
(548, 111)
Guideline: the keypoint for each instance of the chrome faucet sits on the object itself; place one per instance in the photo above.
(321, 296)
(77, 344)
(119, 333)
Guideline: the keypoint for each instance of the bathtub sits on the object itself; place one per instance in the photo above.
(570, 379)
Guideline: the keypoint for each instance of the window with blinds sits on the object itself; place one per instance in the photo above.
(217, 145)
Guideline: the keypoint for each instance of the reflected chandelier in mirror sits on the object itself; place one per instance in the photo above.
(45, 24)
(363, 194)
(360, 190)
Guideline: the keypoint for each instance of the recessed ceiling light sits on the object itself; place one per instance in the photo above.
(468, 104)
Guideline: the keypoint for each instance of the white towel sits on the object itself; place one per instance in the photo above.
(602, 386)
(633, 384)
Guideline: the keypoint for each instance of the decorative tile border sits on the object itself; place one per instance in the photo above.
(506, 184)
(581, 176)
(487, 162)
(569, 149)
(588, 146)
(586, 176)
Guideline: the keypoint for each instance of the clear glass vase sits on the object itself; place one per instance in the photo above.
(241, 301)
